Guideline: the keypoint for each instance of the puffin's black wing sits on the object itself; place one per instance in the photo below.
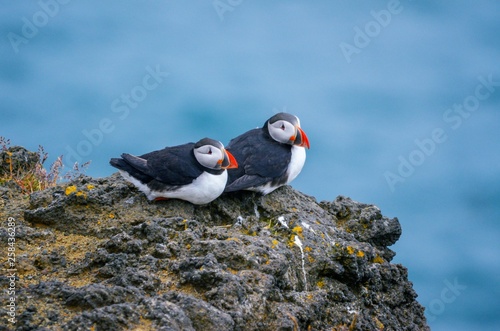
(171, 166)
(260, 160)
(121, 164)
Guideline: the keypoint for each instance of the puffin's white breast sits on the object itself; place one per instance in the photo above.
(202, 190)
(296, 162)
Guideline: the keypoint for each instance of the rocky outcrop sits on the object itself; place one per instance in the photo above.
(95, 254)
(17, 160)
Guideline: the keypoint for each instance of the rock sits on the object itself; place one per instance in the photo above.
(96, 254)
(17, 158)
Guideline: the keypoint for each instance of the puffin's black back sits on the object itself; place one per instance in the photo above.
(172, 166)
(260, 158)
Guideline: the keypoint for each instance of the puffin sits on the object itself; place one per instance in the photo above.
(195, 172)
(268, 157)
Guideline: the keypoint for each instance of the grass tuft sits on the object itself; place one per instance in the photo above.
(32, 177)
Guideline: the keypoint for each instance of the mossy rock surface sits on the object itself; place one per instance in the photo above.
(96, 254)
(18, 160)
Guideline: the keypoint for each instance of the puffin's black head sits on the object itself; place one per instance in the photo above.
(285, 128)
(211, 154)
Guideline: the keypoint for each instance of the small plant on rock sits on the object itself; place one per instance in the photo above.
(29, 173)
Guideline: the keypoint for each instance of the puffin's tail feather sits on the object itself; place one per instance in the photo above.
(136, 162)
(124, 166)
(118, 163)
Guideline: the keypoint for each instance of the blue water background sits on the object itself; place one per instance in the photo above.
(64, 69)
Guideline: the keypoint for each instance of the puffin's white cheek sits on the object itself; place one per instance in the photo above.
(283, 136)
(209, 160)
(277, 134)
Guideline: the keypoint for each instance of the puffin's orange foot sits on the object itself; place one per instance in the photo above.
(160, 199)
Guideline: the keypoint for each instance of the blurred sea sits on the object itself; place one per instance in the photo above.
(400, 100)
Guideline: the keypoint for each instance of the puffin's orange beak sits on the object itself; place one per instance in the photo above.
(229, 162)
(300, 139)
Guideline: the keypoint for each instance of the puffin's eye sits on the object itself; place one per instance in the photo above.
(209, 151)
(283, 126)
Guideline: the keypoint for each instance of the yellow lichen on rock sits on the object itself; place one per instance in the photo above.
(380, 325)
(298, 231)
(70, 189)
(320, 283)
